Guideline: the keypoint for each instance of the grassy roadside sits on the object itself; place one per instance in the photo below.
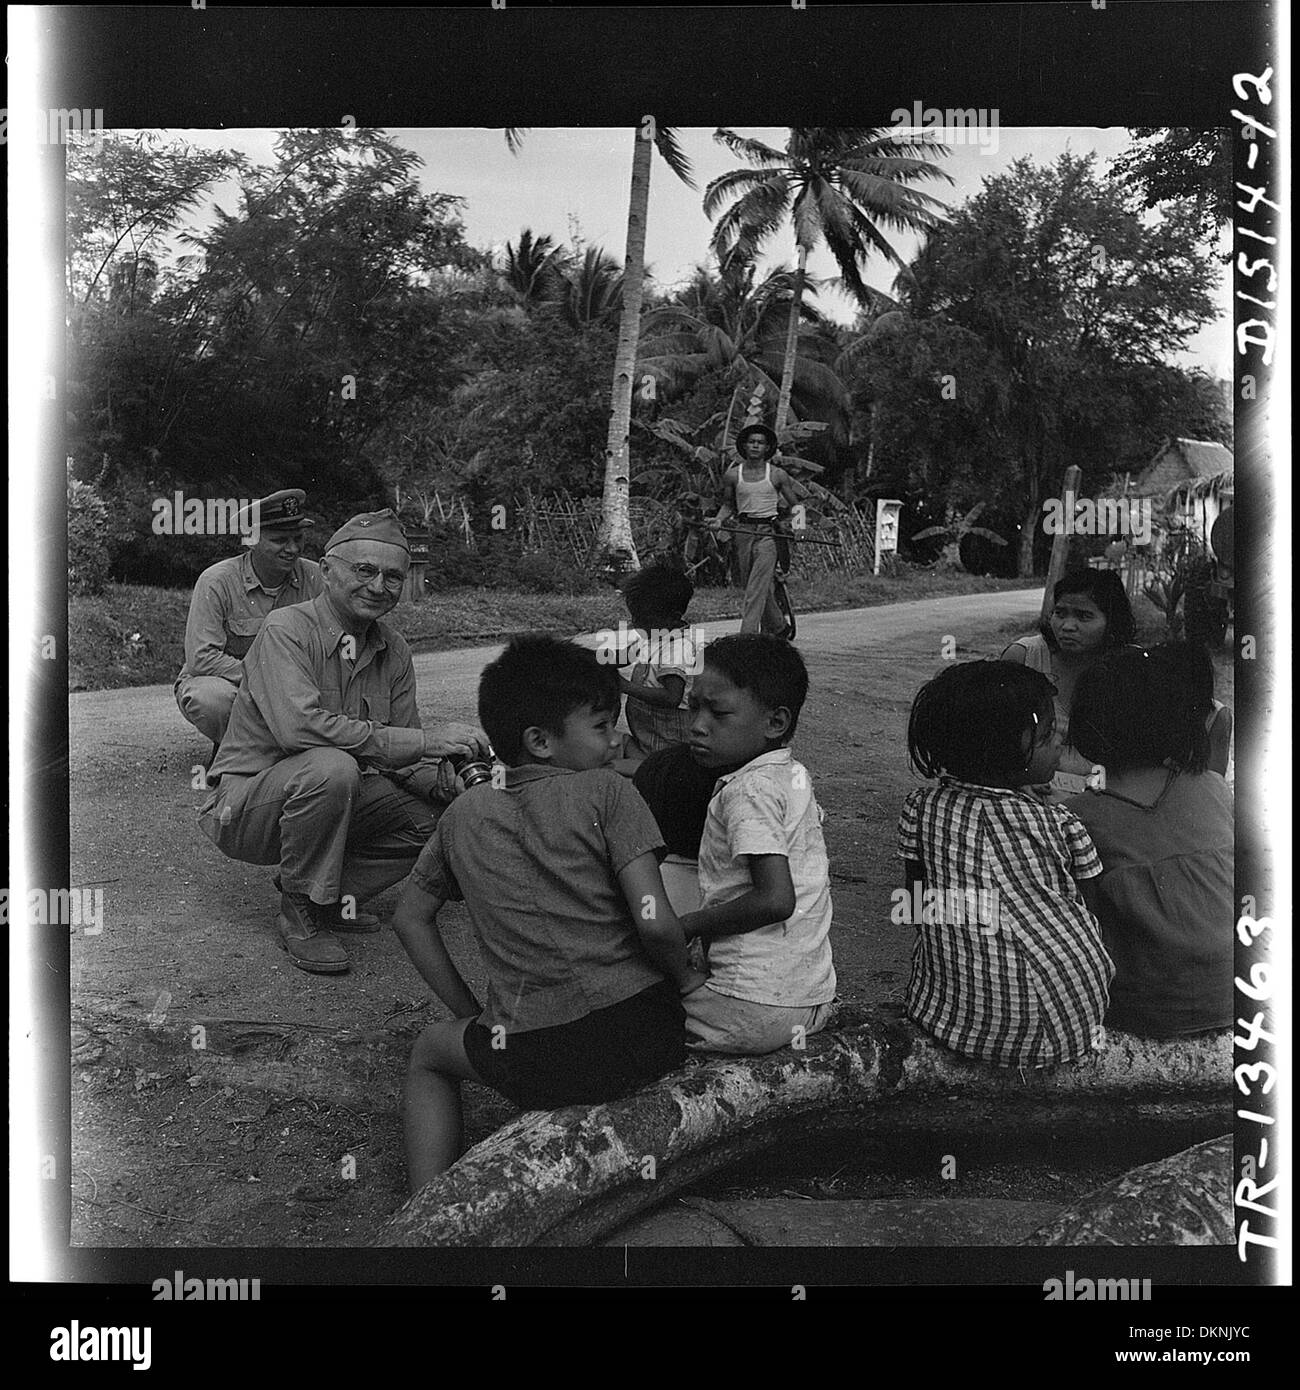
(134, 635)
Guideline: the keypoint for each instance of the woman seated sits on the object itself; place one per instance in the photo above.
(1090, 616)
(1163, 827)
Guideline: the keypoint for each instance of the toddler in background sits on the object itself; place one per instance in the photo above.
(1025, 984)
(664, 662)
(1163, 827)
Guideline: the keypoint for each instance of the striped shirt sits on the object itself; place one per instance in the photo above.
(1027, 988)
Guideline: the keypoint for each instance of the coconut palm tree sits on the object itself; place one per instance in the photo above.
(840, 185)
(534, 269)
(590, 290)
(614, 551)
(733, 322)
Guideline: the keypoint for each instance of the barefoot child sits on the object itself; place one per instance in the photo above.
(1023, 985)
(766, 913)
(556, 867)
(1163, 827)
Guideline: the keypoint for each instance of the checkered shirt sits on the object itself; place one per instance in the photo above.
(1029, 990)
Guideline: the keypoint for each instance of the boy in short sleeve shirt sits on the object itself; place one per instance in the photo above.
(764, 879)
(556, 863)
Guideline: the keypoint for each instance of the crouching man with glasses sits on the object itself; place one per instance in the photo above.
(325, 769)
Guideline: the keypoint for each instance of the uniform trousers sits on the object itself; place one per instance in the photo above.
(331, 829)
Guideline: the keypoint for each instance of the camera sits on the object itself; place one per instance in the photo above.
(471, 770)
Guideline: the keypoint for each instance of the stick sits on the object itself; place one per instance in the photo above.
(746, 531)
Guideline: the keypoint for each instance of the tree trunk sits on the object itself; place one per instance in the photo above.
(1028, 532)
(791, 343)
(614, 553)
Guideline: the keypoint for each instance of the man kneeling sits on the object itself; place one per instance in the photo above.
(319, 766)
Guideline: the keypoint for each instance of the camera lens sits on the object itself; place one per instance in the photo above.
(471, 771)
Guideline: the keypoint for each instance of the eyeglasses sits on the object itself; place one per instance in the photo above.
(368, 573)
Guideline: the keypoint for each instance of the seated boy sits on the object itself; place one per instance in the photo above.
(585, 959)
(677, 789)
(766, 912)
(663, 662)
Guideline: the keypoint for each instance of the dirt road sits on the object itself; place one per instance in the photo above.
(187, 933)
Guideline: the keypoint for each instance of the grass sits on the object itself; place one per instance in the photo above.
(135, 635)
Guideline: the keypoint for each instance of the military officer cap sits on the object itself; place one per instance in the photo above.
(282, 511)
(371, 526)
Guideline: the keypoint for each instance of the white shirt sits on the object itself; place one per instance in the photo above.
(768, 807)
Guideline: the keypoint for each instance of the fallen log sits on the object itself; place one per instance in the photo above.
(1182, 1200)
(570, 1176)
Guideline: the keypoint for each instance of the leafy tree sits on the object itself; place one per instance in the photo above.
(1028, 329)
(1178, 163)
(838, 185)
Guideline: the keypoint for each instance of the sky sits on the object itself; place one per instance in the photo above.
(564, 179)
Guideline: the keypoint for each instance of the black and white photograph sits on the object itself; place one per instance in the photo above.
(620, 693)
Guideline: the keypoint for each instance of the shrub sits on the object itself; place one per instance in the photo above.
(540, 573)
(88, 550)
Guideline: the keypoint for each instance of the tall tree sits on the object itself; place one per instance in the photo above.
(1168, 164)
(840, 185)
(614, 551)
(1036, 332)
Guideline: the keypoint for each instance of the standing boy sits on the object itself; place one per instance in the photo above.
(556, 863)
(764, 878)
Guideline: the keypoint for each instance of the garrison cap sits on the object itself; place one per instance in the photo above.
(281, 511)
(371, 526)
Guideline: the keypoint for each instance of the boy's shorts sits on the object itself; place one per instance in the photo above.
(602, 1056)
(718, 1023)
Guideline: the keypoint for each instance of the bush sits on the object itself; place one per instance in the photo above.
(540, 573)
(88, 550)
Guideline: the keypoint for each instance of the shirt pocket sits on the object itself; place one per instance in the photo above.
(377, 706)
(239, 635)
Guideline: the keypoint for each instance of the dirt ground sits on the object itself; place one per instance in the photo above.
(165, 1154)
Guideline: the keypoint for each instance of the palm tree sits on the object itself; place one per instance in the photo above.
(614, 551)
(734, 323)
(840, 185)
(591, 290)
(534, 269)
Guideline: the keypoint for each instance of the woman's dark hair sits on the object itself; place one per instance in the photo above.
(970, 721)
(1106, 589)
(1134, 708)
(538, 682)
(658, 591)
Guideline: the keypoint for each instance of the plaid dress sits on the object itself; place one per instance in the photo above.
(1029, 989)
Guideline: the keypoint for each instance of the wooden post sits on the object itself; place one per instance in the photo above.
(1061, 541)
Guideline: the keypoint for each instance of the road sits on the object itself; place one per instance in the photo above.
(181, 919)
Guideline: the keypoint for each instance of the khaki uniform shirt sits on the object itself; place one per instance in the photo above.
(228, 609)
(300, 691)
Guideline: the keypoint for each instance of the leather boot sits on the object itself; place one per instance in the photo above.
(358, 922)
(303, 933)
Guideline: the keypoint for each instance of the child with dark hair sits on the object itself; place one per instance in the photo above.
(1163, 827)
(1090, 615)
(764, 880)
(556, 862)
(1196, 672)
(1021, 983)
(664, 659)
